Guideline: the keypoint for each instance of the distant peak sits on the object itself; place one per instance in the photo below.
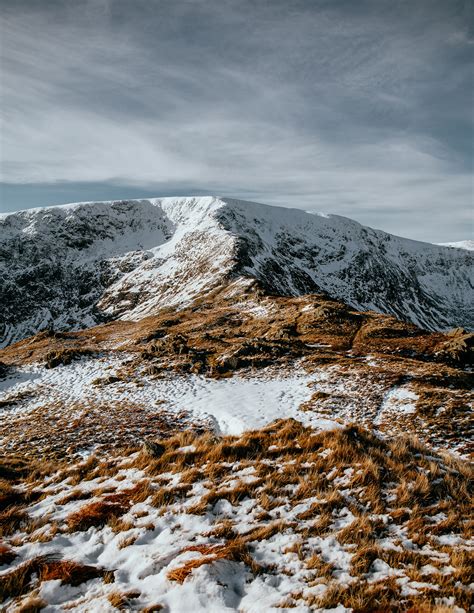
(468, 245)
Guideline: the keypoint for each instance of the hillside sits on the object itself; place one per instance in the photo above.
(218, 406)
(284, 518)
(77, 265)
(226, 365)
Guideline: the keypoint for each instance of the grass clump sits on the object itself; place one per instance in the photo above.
(95, 514)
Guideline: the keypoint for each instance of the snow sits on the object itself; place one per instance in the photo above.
(231, 406)
(155, 540)
(127, 259)
(221, 586)
(468, 245)
(338, 555)
(238, 403)
(397, 401)
(380, 570)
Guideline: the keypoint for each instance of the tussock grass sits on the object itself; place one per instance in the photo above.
(7, 555)
(392, 487)
(17, 582)
(32, 604)
(13, 519)
(62, 356)
(74, 496)
(95, 514)
(234, 550)
(382, 596)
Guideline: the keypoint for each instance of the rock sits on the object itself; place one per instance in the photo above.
(3, 370)
(152, 449)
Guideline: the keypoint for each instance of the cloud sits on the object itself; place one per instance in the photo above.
(358, 111)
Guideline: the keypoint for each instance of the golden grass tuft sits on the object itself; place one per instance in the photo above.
(32, 604)
(121, 600)
(17, 582)
(70, 573)
(13, 519)
(95, 514)
(234, 550)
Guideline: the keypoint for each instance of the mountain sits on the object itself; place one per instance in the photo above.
(469, 245)
(73, 266)
(235, 434)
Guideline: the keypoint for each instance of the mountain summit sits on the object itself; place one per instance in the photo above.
(76, 265)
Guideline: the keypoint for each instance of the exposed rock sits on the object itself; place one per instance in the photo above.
(75, 266)
(154, 450)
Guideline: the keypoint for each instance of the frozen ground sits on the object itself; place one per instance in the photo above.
(111, 399)
(293, 524)
(400, 399)
(230, 405)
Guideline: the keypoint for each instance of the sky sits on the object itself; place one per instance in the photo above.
(356, 107)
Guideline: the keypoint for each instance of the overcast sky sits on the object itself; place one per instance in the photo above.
(361, 108)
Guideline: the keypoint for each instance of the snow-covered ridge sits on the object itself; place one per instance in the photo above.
(75, 265)
(469, 245)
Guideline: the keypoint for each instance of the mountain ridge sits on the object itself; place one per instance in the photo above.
(76, 265)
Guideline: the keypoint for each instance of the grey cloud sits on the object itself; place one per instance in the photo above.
(360, 109)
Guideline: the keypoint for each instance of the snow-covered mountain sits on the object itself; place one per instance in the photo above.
(79, 264)
(468, 244)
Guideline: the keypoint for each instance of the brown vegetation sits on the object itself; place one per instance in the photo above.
(234, 550)
(17, 582)
(95, 514)
(394, 485)
(219, 338)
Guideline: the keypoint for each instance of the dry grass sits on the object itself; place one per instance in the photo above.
(10, 495)
(223, 530)
(315, 562)
(65, 355)
(32, 604)
(17, 582)
(167, 496)
(7, 555)
(74, 496)
(127, 541)
(95, 514)
(121, 600)
(360, 531)
(266, 531)
(391, 487)
(218, 339)
(360, 597)
(13, 519)
(70, 573)
(235, 550)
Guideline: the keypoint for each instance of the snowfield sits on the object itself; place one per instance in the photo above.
(229, 406)
(111, 399)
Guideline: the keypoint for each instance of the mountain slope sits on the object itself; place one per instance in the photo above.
(469, 245)
(76, 265)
